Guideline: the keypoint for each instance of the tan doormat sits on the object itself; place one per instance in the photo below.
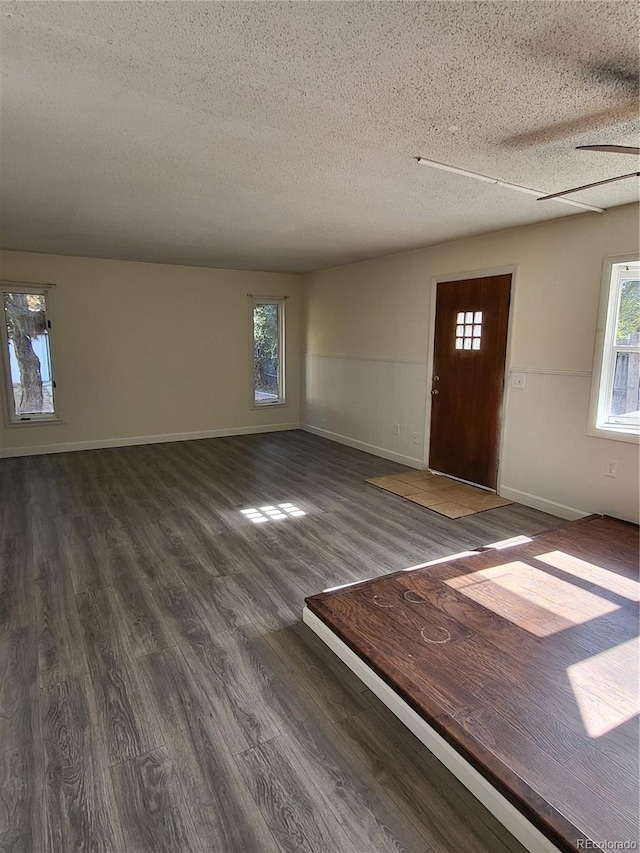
(439, 493)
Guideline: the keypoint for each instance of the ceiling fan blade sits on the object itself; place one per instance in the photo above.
(615, 149)
(588, 186)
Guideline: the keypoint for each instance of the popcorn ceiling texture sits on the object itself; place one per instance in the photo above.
(280, 136)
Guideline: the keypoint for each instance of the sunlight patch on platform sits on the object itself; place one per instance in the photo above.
(591, 572)
(531, 598)
(606, 687)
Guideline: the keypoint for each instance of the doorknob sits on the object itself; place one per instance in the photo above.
(435, 391)
(435, 377)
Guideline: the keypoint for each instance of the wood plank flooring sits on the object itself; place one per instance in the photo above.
(158, 691)
(525, 659)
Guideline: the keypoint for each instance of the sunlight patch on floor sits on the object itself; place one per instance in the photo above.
(341, 586)
(272, 513)
(494, 546)
(509, 543)
(446, 559)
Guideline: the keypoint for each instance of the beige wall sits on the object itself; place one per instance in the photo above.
(150, 350)
(131, 364)
(368, 345)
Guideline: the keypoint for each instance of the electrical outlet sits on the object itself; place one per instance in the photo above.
(414, 436)
(517, 380)
(396, 429)
(611, 468)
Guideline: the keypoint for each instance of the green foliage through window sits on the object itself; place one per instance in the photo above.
(267, 352)
(629, 315)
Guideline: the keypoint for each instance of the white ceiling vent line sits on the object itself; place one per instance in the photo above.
(487, 180)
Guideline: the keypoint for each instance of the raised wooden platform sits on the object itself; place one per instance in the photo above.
(525, 661)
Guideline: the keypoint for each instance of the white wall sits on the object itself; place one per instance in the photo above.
(369, 342)
(149, 351)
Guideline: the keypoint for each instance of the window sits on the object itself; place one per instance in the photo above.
(617, 369)
(267, 350)
(26, 346)
(468, 329)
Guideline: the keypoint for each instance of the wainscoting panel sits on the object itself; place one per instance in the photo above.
(548, 460)
(359, 401)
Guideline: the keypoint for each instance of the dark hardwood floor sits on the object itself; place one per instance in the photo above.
(525, 659)
(158, 691)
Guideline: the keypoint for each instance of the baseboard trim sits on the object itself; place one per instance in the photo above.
(362, 445)
(508, 815)
(536, 502)
(99, 444)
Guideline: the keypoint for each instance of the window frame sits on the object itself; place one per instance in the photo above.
(605, 355)
(280, 301)
(11, 418)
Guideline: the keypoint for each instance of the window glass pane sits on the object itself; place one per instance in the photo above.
(25, 316)
(469, 317)
(476, 331)
(459, 331)
(458, 343)
(628, 325)
(477, 317)
(266, 352)
(467, 331)
(467, 343)
(617, 383)
(460, 317)
(625, 396)
(476, 343)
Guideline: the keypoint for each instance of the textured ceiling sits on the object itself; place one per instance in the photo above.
(281, 136)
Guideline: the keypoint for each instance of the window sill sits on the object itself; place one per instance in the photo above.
(276, 404)
(35, 422)
(629, 434)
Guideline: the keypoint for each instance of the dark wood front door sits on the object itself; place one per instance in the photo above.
(468, 377)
